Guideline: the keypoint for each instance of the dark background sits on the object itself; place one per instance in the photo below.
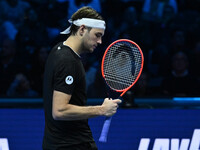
(166, 30)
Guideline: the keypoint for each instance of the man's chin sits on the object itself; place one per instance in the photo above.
(91, 50)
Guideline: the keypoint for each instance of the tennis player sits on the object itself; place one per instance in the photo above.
(66, 116)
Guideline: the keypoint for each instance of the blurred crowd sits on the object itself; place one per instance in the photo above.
(166, 30)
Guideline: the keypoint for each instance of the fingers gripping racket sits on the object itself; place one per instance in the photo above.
(121, 67)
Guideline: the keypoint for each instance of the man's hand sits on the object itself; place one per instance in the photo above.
(110, 106)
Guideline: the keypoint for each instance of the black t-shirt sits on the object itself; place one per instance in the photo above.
(64, 72)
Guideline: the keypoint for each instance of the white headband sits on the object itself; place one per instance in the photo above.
(89, 22)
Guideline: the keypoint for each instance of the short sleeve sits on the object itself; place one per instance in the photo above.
(65, 77)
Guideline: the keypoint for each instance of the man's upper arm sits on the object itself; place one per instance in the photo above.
(60, 102)
(64, 76)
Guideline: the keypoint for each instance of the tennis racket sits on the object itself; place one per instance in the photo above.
(121, 67)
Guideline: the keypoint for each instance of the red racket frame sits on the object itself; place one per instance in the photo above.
(102, 68)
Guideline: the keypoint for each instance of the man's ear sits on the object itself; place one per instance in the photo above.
(81, 30)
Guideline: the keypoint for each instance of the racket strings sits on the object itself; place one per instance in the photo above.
(122, 65)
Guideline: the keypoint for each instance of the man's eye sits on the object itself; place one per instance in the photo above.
(98, 35)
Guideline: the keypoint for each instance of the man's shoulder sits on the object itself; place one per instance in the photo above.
(61, 50)
(62, 53)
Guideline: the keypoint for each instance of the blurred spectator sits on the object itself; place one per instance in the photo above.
(53, 14)
(154, 9)
(37, 68)
(20, 87)
(9, 64)
(158, 58)
(161, 28)
(99, 88)
(127, 27)
(76, 4)
(31, 34)
(176, 42)
(180, 83)
(168, 16)
(8, 30)
(91, 71)
(12, 15)
(141, 88)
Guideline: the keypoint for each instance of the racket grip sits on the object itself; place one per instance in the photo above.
(105, 129)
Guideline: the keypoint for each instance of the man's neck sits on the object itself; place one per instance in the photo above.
(74, 43)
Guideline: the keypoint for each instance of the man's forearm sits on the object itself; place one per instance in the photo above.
(73, 112)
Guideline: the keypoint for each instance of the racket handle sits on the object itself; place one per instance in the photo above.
(105, 129)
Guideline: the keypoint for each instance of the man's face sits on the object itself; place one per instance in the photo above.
(92, 38)
(180, 62)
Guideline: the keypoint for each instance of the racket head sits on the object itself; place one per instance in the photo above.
(122, 65)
